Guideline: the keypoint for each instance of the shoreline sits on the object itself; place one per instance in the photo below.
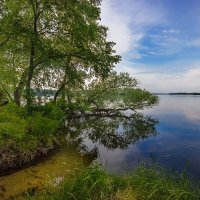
(21, 162)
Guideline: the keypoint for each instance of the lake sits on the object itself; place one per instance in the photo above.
(168, 133)
(176, 144)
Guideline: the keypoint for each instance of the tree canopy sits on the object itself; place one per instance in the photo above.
(61, 46)
(38, 36)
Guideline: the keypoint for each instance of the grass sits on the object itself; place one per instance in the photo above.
(147, 182)
(153, 182)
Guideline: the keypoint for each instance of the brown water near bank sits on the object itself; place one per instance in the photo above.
(47, 172)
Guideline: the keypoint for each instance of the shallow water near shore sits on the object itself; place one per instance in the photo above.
(170, 135)
(49, 171)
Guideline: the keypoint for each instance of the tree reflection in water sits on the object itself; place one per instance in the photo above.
(112, 132)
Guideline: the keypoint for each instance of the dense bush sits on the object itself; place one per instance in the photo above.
(13, 123)
(44, 120)
(16, 122)
(27, 135)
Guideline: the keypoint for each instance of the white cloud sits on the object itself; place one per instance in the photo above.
(170, 31)
(167, 82)
(118, 25)
(194, 43)
(165, 44)
(193, 73)
(128, 21)
(179, 77)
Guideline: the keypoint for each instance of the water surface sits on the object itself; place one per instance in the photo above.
(168, 132)
(50, 171)
(175, 145)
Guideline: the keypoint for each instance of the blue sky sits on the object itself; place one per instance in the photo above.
(159, 41)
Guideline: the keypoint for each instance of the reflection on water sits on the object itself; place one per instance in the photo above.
(120, 143)
(111, 133)
(112, 137)
(176, 145)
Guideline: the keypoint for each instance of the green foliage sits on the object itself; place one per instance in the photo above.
(62, 47)
(26, 135)
(12, 122)
(49, 110)
(44, 120)
(114, 93)
(50, 44)
(16, 123)
(89, 184)
(138, 98)
(40, 126)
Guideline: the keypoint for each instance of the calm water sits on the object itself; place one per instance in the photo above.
(169, 132)
(175, 145)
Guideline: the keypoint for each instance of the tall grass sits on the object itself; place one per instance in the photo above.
(147, 182)
(153, 182)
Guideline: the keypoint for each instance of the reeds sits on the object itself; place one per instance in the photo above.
(147, 182)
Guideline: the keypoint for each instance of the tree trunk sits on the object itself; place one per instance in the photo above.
(17, 96)
(64, 83)
(58, 92)
(28, 87)
(20, 87)
(32, 56)
(30, 76)
(68, 95)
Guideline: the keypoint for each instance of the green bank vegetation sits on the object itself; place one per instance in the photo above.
(60, 47)
(147, 182)
(26, 136)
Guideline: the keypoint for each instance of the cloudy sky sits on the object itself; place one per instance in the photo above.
(159, 41)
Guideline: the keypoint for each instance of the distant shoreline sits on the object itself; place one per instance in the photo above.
(178, 93)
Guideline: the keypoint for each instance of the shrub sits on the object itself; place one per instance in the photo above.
(50, 110)
(12, 122)
(25, 135)
(41, 126)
